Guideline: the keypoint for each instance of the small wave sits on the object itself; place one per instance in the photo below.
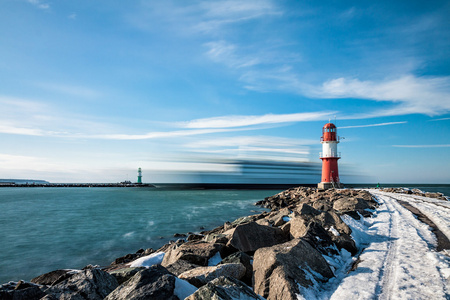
(150, 223)
(128, 234)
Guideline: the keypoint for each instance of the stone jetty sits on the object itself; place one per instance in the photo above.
(277, 254)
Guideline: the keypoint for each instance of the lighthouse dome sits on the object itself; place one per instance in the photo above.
(329, 126)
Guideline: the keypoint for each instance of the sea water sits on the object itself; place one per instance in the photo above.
(44, 229)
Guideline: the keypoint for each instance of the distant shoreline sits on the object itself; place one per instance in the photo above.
(62, 185)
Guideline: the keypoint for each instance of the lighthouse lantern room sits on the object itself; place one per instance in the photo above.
(329, 157)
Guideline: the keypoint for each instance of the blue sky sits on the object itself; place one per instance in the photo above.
(92, 90)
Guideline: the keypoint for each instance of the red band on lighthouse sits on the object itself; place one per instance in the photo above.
(329, 157)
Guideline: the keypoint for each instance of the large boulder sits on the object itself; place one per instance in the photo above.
(331, 219)
(20, 291)
(251, 236)
(124, 274)
(202, 275)
(152, 283)
(50, 277)
(344, 205)
(224, 288)
(244, 259)
(88, 284)
(180, 266)
(198, 253)
(280, 270)
(297, 227)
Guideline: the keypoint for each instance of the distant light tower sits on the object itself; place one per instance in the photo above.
(139, 181)
(329, 157)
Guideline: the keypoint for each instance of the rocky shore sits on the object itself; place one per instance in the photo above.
(416, 192)
(278, 254)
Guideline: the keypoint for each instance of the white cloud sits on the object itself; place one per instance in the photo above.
(223, 52)
(240, 121)
(422, 146)
(39, 4)
(216, 14)
(374, 125)
(72, 90)
(155, 135)
(423, 95)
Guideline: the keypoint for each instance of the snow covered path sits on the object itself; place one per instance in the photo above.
(399, 260)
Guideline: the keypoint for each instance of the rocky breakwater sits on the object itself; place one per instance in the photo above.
(279, 254)
(416, 192)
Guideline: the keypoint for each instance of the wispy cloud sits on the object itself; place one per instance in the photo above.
(219, 13)
(240, 121)
(374, 125)
(422, 95)
(39, 4)
(422, 146)
(69, 89)
(223, 52)
(441, 119)
(158, 134)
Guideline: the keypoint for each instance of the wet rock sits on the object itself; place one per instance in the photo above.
(89, 284)
(251, 236)
(202, 275)
(224, 288)
(177, 235)
(279, 269)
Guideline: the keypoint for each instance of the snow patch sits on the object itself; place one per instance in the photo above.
(183, 289)
(215, 260)
(149, 260)
(334, 231)
(286, 218)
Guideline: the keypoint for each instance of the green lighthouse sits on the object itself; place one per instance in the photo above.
(139, 181)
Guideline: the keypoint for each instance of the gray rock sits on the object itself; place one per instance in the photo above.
(153, 283)
(298, 227)
(305, 209)
(124, 274)
(251, 236)
(279, 269)
(350, 204)
(202, 275)
(20, 291)
(224, 288)
(245, 260)
(197, 252)
(92, 284)
(49, 278)
(180, 266)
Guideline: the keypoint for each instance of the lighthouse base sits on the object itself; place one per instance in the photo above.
(329, 185)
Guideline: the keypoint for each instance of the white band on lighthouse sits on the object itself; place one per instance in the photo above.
(329, 149)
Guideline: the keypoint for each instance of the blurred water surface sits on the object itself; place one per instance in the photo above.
(43, 229)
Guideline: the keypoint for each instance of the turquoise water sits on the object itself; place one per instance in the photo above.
(43, 229)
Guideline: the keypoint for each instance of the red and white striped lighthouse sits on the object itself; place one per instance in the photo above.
(329, 157)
